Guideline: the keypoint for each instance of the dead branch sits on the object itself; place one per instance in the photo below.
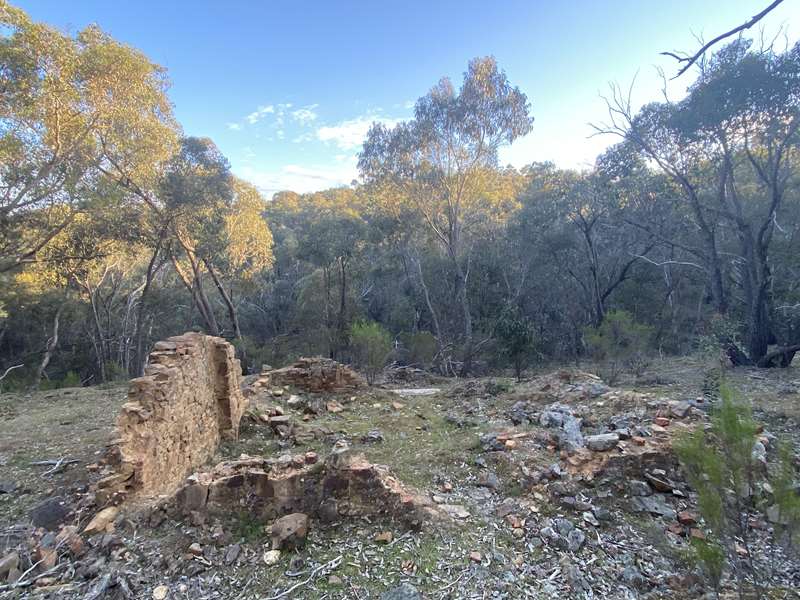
(57, 464)
(690, 60)
(669, 262)
(9, 369)
(324, 569)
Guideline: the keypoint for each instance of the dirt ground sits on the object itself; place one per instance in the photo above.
(439, 444)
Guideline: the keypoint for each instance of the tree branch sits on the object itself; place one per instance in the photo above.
(690, 60)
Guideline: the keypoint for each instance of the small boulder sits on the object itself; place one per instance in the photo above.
(637, 487)
(160, 592)
(602, 442)
(102, 520)
(232, 553)
(384, 537)
(290, 531)
(50, 513)
(8, 563)
(488, 479)
(271, 557)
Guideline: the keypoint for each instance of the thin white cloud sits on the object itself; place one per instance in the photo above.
(306, 115)
(350, 134)
(301, 139)
(234, 126)
(301, 179)
(258, 114)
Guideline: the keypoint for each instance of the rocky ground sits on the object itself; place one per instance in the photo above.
(556, 486)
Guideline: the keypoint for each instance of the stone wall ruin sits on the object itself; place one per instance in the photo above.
(344, 485)
(190, 399)
(317, 375)
(176, 415)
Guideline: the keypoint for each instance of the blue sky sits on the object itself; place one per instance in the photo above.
(287, 89)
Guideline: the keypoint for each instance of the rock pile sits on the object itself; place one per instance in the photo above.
(343, 485)
(317, 375)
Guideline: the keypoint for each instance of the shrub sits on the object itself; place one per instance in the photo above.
(421, 348)
(114, 372)
(516, 336)
(620, 344)
(722, 468)
(371, 345)
(71, 379)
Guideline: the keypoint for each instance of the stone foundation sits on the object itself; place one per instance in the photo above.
(317, 375)
(344, 485)
(176, 415)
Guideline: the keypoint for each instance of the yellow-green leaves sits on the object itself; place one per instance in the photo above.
(248, 238)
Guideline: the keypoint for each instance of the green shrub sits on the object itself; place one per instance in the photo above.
(516, 336)
(371, 345)
(720, 465)
(786, 498)
(620, 344)
(71, 379)
(114, 372)
(421, 348)
(252, 354)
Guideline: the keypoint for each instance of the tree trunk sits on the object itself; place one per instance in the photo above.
(468, 348)
(137, 367)
(434, 316)
(195, 287)
(52, 344)
(100, 348)
(226, 298)
(342, 320)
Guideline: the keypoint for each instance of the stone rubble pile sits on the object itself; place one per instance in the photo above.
(316, 375)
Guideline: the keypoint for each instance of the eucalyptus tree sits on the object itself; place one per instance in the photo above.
(746, 106)
(73, 111)
(216, 226)
(731, 148)
(438, 162)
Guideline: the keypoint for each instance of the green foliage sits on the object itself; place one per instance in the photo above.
(436, 238)
(711, 557)
(620, 343)
(516, 335)
(247, 527)
(252, 354)
(720, 465)
(115, 371)
(420, 348)
(785, 495)
(71, 379)
(371, 345)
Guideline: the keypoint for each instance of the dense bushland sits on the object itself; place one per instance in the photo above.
(117, 230)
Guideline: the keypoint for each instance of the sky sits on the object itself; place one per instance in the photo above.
(288, 89)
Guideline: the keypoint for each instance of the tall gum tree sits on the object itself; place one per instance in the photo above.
(438, 162)
(73, 111)
(731, 147)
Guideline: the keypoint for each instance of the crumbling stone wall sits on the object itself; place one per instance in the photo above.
(344, 485)
(176, 415)
(317, 374)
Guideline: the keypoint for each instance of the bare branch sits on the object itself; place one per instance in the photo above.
(8, 370)
(690, 60)
(669, 262)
